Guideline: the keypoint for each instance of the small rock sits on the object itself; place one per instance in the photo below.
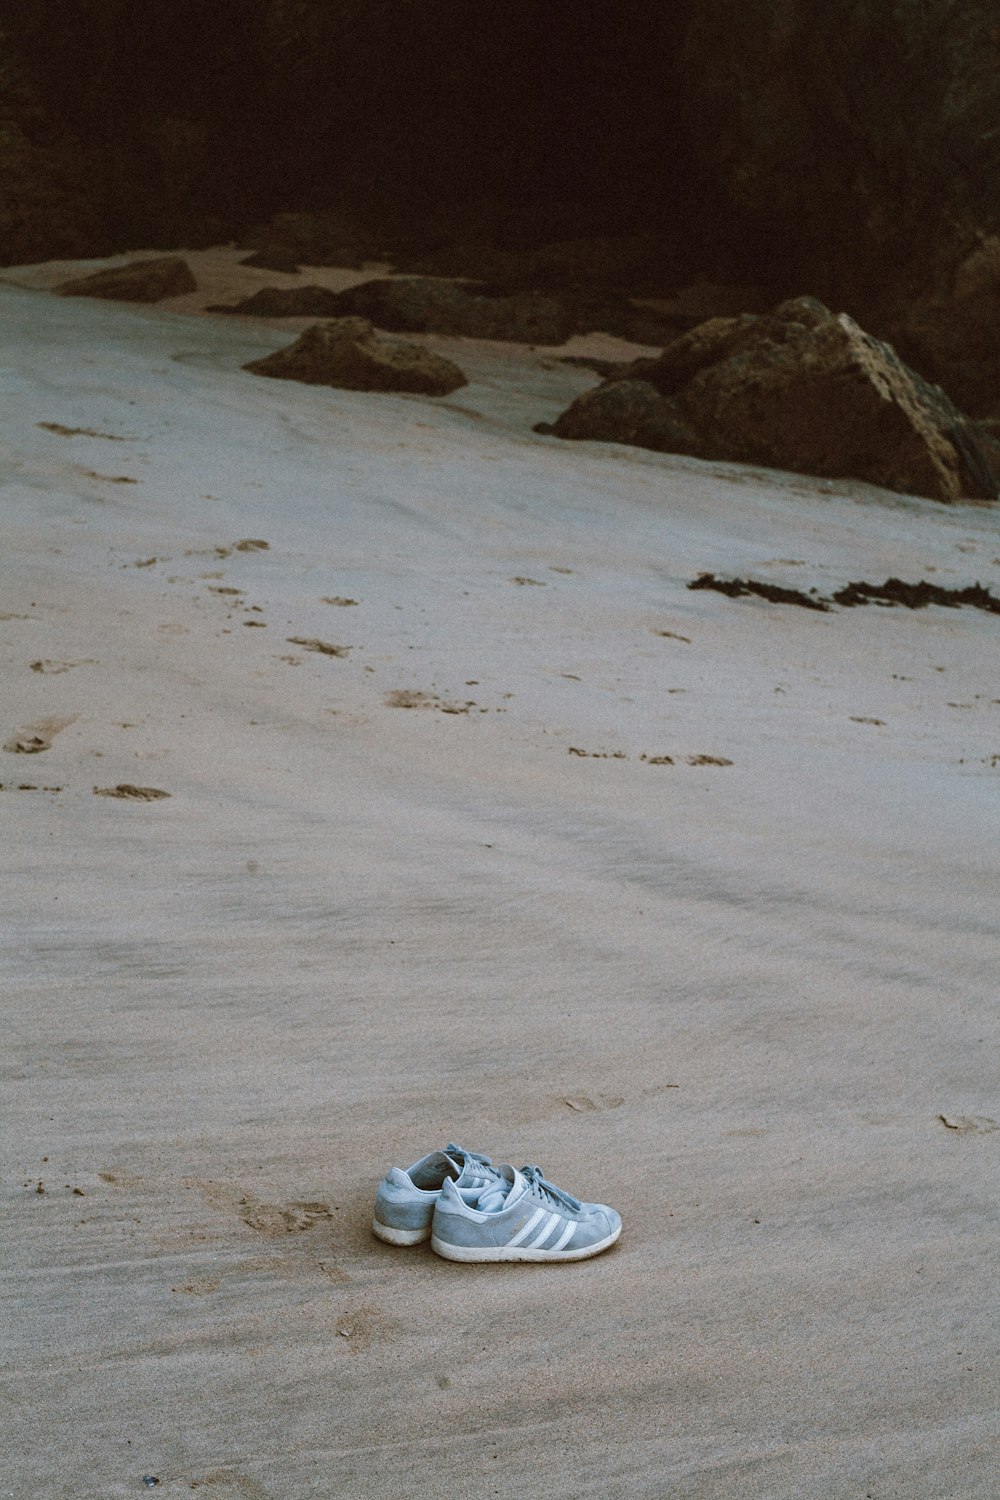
(275, 259)
(139, 281)
(285, 302)
(345, 354)
(418, 305)
(627, 411)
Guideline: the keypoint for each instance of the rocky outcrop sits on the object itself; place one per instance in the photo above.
(45, 208)
(953, 335)
(344, 353)
(415, 304)
(829, 143)
(285, 302)
(330, 238)
(800, 389)
(841, 141)
(138, 281)
(642, 262)
(273, 258)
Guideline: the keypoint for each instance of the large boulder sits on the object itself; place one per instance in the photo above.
(285, 302)
(344, 353)
(415, 304)
(800, 389)
(138, 281)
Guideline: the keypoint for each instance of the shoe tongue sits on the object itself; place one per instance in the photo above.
(495, 1197)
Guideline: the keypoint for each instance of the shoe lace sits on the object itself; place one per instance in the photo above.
(547, 1191)
(469, 1156)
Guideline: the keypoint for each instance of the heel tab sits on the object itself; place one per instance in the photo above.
(450, 1197)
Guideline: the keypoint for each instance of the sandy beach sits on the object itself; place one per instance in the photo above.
(477, 824)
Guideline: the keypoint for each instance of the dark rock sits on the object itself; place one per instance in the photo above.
(345, 354)
(625, 262)
(138, 281)
(285, 302)
(628, 411)
(277, 258)
(330, 238)
(46, 210)
(796, 389)
(608, 369)
(419, 305)
(659, 320)
(953, 335)
(841, 142)
(628, 262)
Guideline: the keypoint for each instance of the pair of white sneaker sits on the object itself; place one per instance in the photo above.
(471, 1210)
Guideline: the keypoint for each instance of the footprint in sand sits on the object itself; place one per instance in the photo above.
(54, 667)
(310, 643)
(129, 793)
(649, 760)
(227, 1484)
(583, 1104)
(61, 431)
(413, 698)
(278, 1219)
(969, 1124)
(108, 478)
(358, 1327)
(28, 786)
(35, 738)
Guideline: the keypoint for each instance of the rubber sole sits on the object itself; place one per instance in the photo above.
(400, 1236)
(480, 1253)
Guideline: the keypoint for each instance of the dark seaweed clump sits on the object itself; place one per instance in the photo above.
(917, 595)
(735, 588)
(893, 591)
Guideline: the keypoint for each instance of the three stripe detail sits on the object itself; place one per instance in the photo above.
(543, 1231)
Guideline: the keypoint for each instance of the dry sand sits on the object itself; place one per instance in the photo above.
(735, 998)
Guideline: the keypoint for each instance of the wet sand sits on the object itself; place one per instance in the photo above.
(434, 805)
